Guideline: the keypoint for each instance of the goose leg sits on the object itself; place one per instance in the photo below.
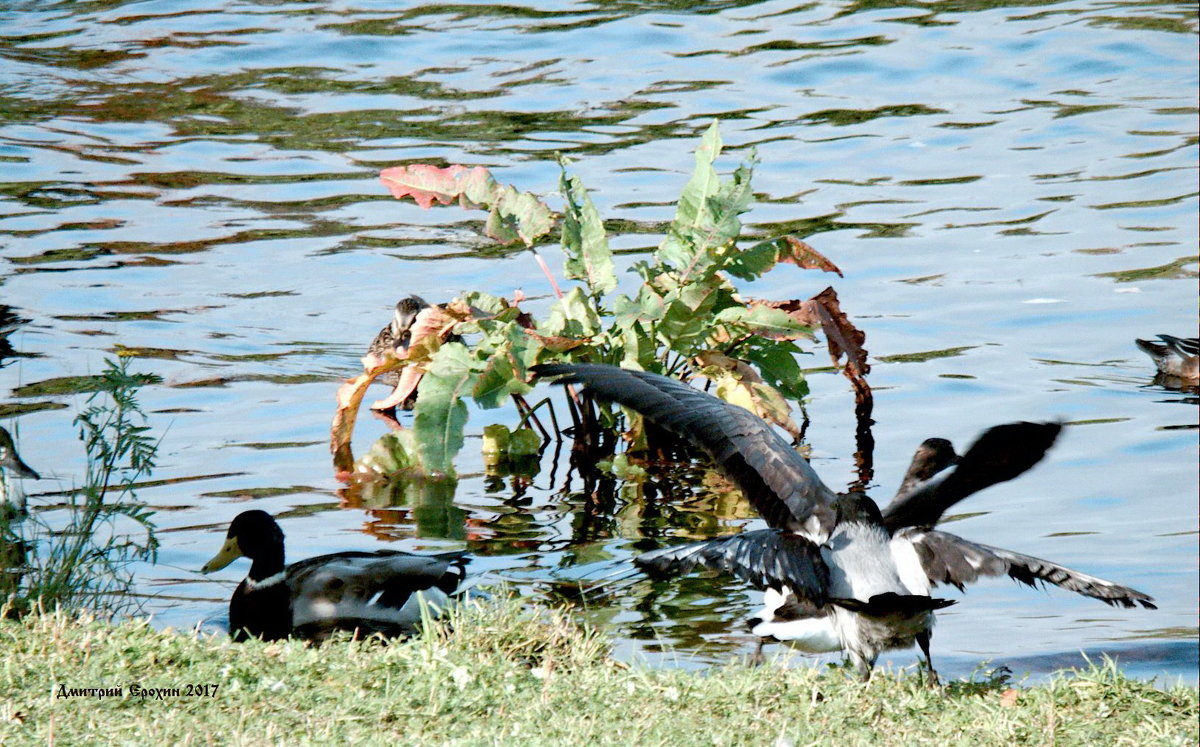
(862, 664)
(756, 659)
(923, 642)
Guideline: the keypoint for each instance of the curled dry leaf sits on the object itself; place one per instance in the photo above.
(555, 343)
(842, 337)
(349, 397)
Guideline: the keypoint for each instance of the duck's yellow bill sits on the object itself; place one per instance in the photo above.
(230, 552)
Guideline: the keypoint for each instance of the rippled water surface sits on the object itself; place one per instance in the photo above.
(1010, 189)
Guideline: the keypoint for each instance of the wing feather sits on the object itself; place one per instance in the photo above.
(777, 481)
(950, 559)
(766, 558)
(1001, 453)
(370, 585)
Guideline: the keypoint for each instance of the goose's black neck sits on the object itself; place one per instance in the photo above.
(856, 507)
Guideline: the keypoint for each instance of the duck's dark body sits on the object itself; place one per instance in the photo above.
(838, 572)
(371, 592)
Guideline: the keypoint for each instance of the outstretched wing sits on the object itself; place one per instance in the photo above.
(776, 480)
(950, 559)
(766, 558)
(1001, 453)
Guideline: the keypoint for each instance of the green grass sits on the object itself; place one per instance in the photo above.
(511, 675)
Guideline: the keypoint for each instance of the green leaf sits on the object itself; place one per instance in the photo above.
(623, 469)
(638, 348)
(520, 215)
(495, 441)
(573, 315)
(441, 414)
(763, 320)
(776, 363)
(505, 356)
(392, 453)
(678, 249)
(524, 442)
(584, 241)
(688, 317)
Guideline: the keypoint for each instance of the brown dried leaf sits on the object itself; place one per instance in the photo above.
(349, 397)
(722, 362)
(804, 256)
(842, 337)
(554, 343)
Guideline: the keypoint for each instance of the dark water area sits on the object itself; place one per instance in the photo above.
(1010, 189)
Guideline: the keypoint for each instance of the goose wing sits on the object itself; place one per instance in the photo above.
(371, 586)
(776, 480)
(766, 558)
(1001, 453)
(950, 559)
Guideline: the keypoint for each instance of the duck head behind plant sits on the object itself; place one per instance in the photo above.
(396, 335)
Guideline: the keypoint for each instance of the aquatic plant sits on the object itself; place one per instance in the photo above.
(685, 318)
(84, 564)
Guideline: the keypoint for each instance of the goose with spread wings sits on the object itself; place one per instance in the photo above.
(839, 573)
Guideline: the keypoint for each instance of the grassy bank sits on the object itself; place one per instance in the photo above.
(510, 676)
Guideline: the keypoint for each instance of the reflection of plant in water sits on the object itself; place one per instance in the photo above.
(394, 498)
(84, 564)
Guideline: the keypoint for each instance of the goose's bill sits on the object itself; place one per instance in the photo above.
(229, 552)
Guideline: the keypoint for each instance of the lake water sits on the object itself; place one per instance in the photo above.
(1011, 190)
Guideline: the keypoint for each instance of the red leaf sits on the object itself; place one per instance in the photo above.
(429, 184)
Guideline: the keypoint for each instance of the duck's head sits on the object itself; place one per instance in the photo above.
(252, 534)
(404, 316)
